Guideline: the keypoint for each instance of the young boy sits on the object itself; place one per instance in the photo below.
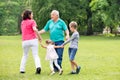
(73, 47)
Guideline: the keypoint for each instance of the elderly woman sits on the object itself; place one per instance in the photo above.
(56, 27)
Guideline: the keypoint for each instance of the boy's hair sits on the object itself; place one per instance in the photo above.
(73, 24)
(26, 14)
(49, 42)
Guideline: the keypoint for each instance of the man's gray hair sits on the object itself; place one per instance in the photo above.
(56, 12)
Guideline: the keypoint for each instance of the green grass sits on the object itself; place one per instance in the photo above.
(98, 56)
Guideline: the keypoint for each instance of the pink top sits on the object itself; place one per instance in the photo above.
(27, 29)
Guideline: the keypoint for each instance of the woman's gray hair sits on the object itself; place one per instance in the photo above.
(56, 12)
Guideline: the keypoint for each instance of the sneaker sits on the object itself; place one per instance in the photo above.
(38, 70)
(78, 69)
(61, 71)
(52, 73)
(72, 72)
(22, 72)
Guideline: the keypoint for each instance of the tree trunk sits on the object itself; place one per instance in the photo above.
(89, 21)
(19, 24)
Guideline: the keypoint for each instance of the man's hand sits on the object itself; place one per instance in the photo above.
(67, 37)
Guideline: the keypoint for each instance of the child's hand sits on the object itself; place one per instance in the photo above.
(43, 45)
(61, 46)
(40, 41)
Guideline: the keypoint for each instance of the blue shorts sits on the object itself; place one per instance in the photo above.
(72, 53)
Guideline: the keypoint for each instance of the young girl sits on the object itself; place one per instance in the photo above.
(52, 55)
(73, 47)
(30, 39)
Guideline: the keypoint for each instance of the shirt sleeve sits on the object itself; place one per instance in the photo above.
(73, 37)
(46, 27)
(64, 26)
(34, 23)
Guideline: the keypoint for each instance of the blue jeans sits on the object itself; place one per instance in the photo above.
(72, 53)
(60, 53)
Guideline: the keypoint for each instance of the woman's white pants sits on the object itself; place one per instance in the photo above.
(26, 45)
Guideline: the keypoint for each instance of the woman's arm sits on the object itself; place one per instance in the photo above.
(36, 31)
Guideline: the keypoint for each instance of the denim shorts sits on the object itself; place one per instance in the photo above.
(72, 53)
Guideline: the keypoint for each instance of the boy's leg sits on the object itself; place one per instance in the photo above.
(72, 53)
(74, 63)
(72, 66)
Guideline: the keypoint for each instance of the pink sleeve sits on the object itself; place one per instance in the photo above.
(34, 23)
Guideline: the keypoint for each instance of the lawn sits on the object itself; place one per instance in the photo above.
(98, 56)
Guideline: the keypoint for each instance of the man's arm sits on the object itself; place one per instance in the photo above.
(67, 34)
(41, 31)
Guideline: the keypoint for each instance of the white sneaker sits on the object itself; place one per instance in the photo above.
(60, 72)
(52, 73)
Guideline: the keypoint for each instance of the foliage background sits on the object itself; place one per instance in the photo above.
(91, 15)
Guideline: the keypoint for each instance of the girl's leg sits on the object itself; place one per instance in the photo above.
(34, 48)
(51, 65)
(24, 57)
(56, 64)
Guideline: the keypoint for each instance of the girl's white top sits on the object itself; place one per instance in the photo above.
(51, 53)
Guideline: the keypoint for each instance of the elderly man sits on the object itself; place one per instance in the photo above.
(56, 27)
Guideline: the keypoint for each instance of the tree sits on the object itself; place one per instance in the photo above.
(68, 10)
(107, 11)
(91, 15)
(89, 19)
(9, 15)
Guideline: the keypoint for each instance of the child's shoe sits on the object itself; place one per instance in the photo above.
(52, 73)
(60, 72)
(78, 69)
(72, 72)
